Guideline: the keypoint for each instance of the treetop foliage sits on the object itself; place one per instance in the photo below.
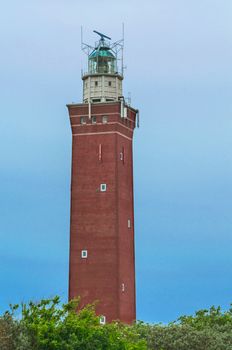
(49, 325)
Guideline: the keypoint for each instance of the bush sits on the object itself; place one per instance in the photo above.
(206, 330)
(48, 325)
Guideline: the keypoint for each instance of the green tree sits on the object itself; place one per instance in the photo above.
(13, 335)
(206, 330)
(51, 326)
(48, 325)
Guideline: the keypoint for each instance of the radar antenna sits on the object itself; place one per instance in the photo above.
(102, 35)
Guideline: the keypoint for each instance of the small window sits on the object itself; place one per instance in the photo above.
(100, 152)
(125, 112)
(110, 83)
(103, 187)
(129, 223)
(102, 319)
(121, 155)
(83, 120)
(123, 287)
(94, 120)
(96, 83)
(84, 254)
(104, 119)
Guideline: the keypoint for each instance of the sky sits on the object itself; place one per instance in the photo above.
(178, 55)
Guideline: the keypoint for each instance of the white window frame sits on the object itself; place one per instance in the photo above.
(94, 119)
(84, 254)
(102, 319)
(83, 120)
(104, 119)
(129, 223)
(103, 187)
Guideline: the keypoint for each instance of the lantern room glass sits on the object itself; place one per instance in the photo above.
(102, 62)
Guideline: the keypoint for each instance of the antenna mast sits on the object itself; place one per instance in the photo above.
(85, 47)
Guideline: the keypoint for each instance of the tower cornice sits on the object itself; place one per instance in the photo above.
(87, 75)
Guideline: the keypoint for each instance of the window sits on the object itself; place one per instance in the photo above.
(104, 119)
(84, 254)
(96, 83)
(94, 120)
(102, 320)
(83, 120)
(110, 83)
(103, 187)
(125, 112)
(123, 287)
(129, 223)
(100, 152)
(122, 155)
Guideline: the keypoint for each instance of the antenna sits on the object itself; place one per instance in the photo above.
(122, 63)
(85, 47)
(102, 35)
(129, 98)
(117, 47)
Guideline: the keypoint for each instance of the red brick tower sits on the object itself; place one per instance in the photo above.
(102, 262)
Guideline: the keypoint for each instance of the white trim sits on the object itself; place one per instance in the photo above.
(92, 120)
(111, 123)
(105, 119)
(100, 152)
(84, 254)
(103, 187)
(102, 319)
(103, 133)
(86, 115)
(78, 115)
(83, 120)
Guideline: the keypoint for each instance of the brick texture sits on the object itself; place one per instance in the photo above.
(103, 222)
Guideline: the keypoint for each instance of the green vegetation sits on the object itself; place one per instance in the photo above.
(206, 330)
(48, 325)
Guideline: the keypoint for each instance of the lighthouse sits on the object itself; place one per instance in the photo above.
(102, 255)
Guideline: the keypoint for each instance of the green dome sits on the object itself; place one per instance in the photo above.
(102, 61)
(102, 52)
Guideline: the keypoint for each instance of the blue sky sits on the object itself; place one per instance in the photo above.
(178, 56)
